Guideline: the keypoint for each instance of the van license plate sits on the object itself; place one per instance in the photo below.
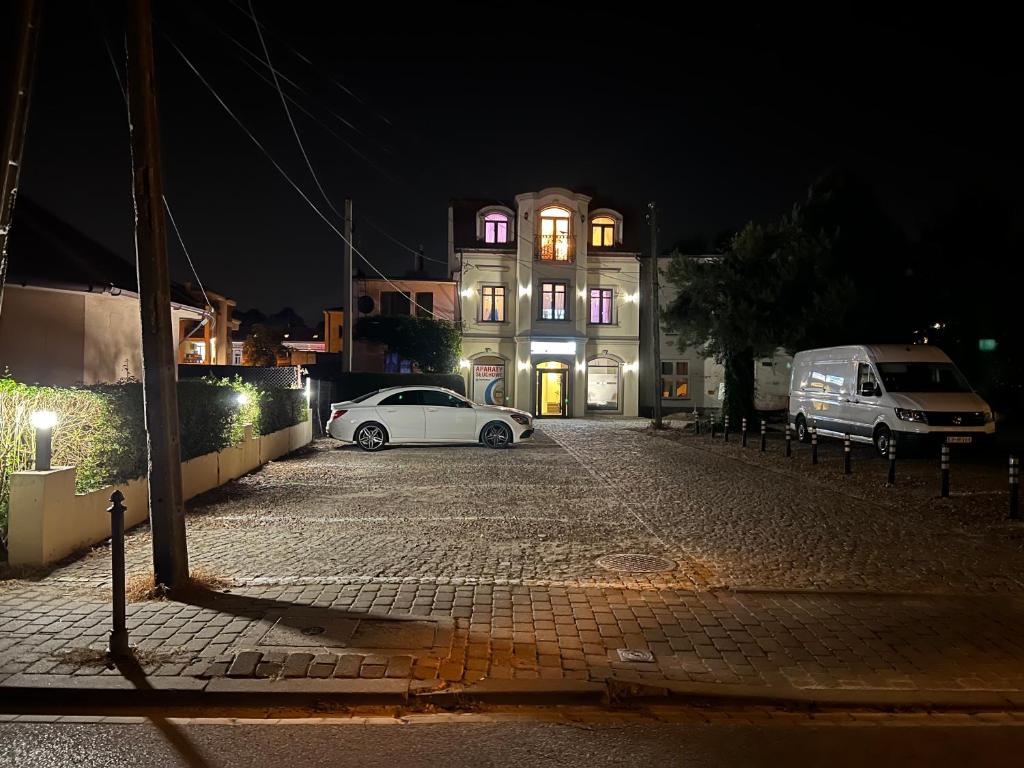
(959, 439)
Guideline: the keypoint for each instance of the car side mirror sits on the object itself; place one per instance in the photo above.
(870, 389)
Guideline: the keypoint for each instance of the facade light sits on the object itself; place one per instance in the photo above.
(463, 363)
(467, 292)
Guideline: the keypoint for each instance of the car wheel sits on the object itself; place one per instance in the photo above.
(883, 437)
(371, 437)
(803, 434)
(496, 435)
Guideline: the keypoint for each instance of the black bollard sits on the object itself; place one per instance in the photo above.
(696, 422)
(118, 643)
(814, 445)
(1014, 488)
(743, 432)
(789, 442)
(846, 455)
(944, 466)
(725, 434)
(764, 437)
(892, 460)
(713, 425)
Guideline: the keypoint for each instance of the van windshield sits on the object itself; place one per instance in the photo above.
(922, 377)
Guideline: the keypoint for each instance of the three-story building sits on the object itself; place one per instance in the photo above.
(549, 303)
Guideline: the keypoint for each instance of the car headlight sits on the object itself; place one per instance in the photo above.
(907, 415)
(518, 418)
(989, 417)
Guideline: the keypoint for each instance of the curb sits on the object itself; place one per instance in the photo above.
(115, 695)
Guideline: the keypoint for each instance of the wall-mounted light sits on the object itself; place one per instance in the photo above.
(467, 292)
(631, 367)
(524, 290)
(523, 366)
(44, 422)
(463, 363)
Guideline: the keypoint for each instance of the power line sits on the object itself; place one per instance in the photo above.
(285, 175)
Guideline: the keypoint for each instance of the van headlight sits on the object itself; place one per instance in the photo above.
(903, 414)
(520, 419)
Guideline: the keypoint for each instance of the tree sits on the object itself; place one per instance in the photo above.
(826, 273)
(263, 345)
(433, 345)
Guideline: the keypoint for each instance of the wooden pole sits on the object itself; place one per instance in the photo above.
(166, 508)
(348, 321)
(17, 106)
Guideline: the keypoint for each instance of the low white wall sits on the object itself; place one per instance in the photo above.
(49, 521)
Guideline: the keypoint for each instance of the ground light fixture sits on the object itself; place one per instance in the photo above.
(242, 399)
(44, 422)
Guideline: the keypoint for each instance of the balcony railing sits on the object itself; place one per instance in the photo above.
(558, 247)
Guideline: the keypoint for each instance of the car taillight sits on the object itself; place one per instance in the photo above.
(337, 415)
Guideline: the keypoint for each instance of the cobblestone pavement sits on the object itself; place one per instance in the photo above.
(457, 564)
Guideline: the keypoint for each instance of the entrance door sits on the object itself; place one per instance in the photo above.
(552, 389)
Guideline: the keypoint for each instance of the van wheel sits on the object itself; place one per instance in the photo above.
(803, 434)
(882, 439)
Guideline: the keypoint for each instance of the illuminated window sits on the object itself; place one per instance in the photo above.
(496, 228)
(552, 301)
(601, 306)
(602, 231)
(492, 304)
(675, 380)
(555, 240)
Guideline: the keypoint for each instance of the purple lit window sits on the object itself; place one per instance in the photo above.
(495, 228)
(601, 306)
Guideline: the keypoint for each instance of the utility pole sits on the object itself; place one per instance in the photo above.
(347, 293)
(654, 314)
(160, 396)
(17, 105)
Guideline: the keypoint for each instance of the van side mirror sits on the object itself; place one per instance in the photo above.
(870, 389)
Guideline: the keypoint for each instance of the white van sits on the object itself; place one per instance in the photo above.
(875, 392)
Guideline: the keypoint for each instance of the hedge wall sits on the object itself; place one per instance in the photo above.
(101, 428)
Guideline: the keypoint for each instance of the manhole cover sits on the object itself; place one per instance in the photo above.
(313, 631)
(631, 563)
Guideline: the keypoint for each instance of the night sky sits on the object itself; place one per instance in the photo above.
(721, 120)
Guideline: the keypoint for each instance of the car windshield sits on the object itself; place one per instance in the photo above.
(922, 377)
(367, 396)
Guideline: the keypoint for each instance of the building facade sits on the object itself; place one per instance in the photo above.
(549, 304)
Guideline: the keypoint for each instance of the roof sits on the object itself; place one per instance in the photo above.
(46, 251)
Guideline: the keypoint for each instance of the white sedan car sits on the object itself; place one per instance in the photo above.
(403, 415)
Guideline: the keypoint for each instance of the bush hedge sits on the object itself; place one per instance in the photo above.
(101, 428)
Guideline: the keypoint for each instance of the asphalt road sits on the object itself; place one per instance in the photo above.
(528, 744)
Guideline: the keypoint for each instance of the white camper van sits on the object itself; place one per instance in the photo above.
(872, 393)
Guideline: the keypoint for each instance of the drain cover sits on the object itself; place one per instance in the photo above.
(313, 630)
(632, 563)
(630, 654)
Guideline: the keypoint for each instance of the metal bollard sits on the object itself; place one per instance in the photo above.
(743, 427)
(118, 643)
(1014, 488)
(713, 426)
(696, 422)
(846, 455)
(814, 445)
(726, 433)
(764, 436)
(789, 442)
(944, 465)
(892, 460)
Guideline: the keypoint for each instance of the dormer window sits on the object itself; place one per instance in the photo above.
(496, 228)
(602, 231)
(555, 235)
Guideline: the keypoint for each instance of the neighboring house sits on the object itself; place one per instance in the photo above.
(690, 380)
(419, 296)
(300, 347)
(71, 314)
(549, 295)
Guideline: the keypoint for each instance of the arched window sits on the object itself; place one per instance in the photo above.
(603, 384)
(555, 235)
(496, 228)
(602, 231)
